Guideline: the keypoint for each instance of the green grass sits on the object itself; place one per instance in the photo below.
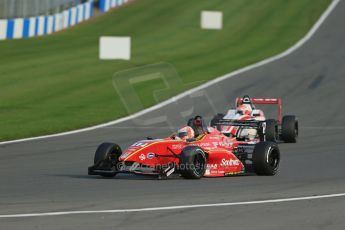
(57, 83)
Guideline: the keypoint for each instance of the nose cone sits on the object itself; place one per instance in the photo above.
(134, 152)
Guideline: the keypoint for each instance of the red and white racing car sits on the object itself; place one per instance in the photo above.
(282, 128)
(207, 153)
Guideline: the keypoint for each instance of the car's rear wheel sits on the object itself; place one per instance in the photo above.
(266, 158)
(271, 132)
(290, 129)
(192, 162)
(107, 156)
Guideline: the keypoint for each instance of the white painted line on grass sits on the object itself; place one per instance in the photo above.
(167, 208)
(299, 44)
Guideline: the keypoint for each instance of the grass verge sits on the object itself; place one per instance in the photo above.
(57, 83)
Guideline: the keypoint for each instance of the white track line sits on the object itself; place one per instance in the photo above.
(299, 44)
(169, 127)
(324, 127)
(43, 214)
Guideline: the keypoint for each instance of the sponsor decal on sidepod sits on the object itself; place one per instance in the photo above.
(230, 162)
(150, 155)
(211, 166)
(142, 157)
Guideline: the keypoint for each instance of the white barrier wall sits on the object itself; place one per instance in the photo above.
(18, 28)
(105, 5)
(43, 25)
(3, 29)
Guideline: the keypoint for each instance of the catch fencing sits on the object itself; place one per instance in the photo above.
(29, 8)
(45, 24)
(31, 18)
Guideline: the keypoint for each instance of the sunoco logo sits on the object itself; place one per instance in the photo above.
(230, 162)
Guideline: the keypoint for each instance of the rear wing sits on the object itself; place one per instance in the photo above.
(264, 101)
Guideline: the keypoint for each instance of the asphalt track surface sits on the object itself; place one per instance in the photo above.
(50, 175)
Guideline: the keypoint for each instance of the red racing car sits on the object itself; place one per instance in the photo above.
(283, 128)
(207, 153)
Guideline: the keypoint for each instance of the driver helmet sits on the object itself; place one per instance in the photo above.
(185, 133)
(244, 109)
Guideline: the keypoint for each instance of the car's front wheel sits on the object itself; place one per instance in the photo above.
(107, 156)
(192, 162)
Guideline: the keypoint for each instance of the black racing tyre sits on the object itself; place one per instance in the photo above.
(192, 162)
(290, 129)
(271, 132)
(266, 158)
(107, 155)
(215, 119)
